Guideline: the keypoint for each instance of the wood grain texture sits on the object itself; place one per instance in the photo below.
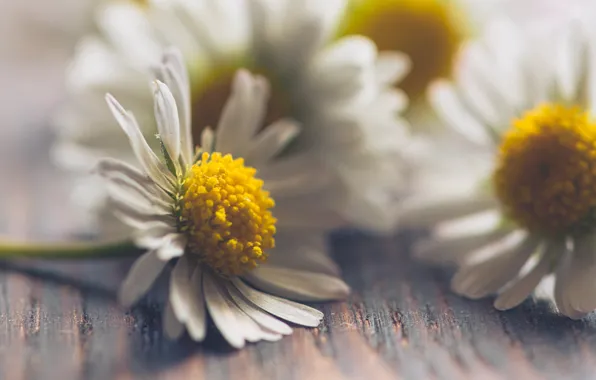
(61, 321)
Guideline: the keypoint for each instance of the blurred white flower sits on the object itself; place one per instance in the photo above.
(431, 33)
(207, 209)
(340, 92)
(36, 41)
(526, 99)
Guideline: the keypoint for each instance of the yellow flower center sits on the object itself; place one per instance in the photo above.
(140, 3)
(546, 171)
(429, 31)
(210, 94)
(226, 214)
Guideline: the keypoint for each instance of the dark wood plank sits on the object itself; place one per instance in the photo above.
(61, 321)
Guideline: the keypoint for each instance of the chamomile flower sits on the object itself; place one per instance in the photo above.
(210, 210)
(341, 92)
(431, 32)
(527, 101)
(428, 31)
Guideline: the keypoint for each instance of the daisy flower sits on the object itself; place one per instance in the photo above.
(341, 92)
(527, 102)
(430, 32)
(208, 209)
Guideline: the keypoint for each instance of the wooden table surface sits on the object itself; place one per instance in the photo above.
(59, 320)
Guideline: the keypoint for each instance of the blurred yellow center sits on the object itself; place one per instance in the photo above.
(426, 30)
(226, 214)
(140, 3)
(546, 171)
(211, 94)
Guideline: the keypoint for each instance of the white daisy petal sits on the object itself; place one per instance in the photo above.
(128, 190)
(207, 139)
(449, 107)
(423, 212)
(298, 285)
(223, 317)
(173, 246)
(456, 249)
(137, 216)
(580, 284)
(180, 288)
(480, 223)
(282, 308)
(187, 299)
(127, 195)
(563, 291)
(140, 277)
(171, 325)
(270, 142)
(395, 101)
(265, 320)
(525, 285)
(487, 277)
(168, 123)
(258, 102)
(242, 112)
(173, 61)
(173, 73)
(110, 167)
(490, 94)
(475, 95)
(392, 67)
(139, 220)
(251, 330)
(197, 321)
(152, 235)
(345, 69)
(156, 170)
(138, 212)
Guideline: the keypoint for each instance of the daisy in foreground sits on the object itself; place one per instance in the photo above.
(528, 102)
(211, 212)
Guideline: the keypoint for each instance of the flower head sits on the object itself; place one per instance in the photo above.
(428, 31)
(212, 212)
(546, 169)
(527, 100)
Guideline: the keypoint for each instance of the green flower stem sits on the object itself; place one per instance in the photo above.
(79, 250)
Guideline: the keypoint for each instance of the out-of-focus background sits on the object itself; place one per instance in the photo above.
(36, 40)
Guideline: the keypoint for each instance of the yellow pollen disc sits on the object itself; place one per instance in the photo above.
(140, 3)
(210, 94)
(428, 31)
(226, 214)
(546, 170)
